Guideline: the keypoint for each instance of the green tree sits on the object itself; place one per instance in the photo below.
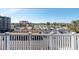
(54, 25)
(48, 25)
(74, 26)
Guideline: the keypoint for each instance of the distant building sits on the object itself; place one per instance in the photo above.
(26, 31)
(23, 22)
(5, 24)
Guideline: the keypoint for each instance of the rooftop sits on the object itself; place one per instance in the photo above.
(26, 31)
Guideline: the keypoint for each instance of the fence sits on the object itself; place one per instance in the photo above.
(23, 41)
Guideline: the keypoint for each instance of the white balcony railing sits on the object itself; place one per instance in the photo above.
(39, 42)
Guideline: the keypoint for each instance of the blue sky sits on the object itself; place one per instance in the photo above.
(40, 15)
